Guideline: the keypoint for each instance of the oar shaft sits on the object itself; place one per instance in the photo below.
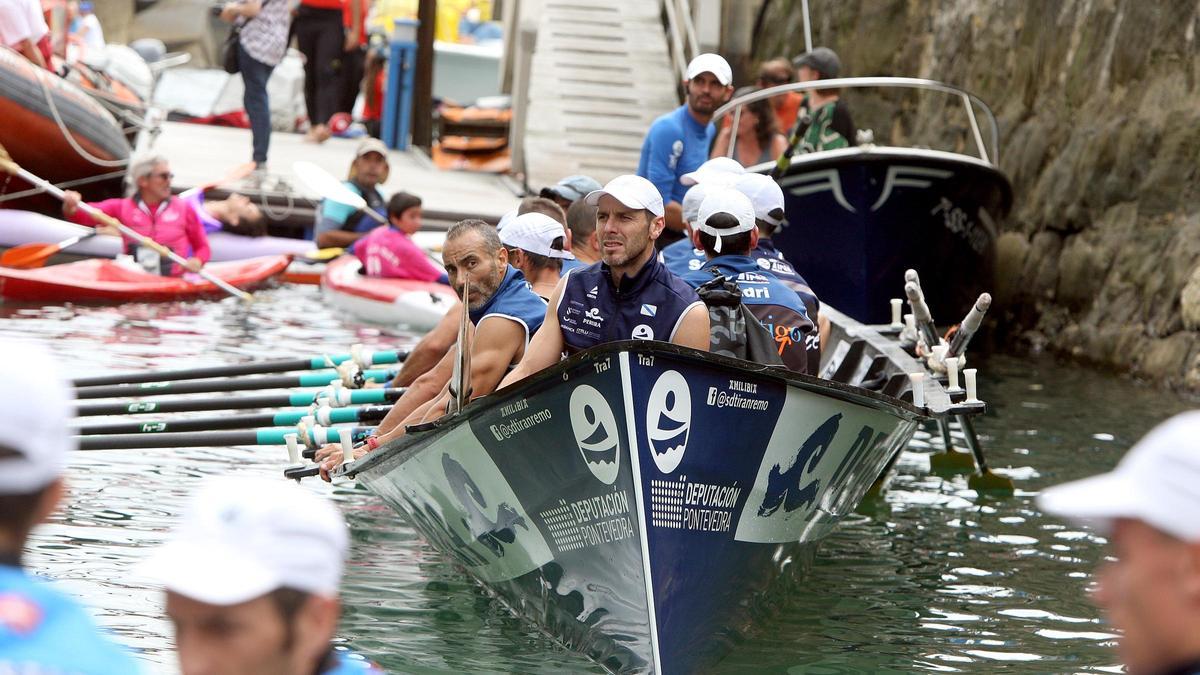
(277, 419)
(293, 400)
(209, 439)
(209, 386)
(237, 369)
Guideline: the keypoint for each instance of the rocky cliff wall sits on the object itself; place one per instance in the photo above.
(1100, 134)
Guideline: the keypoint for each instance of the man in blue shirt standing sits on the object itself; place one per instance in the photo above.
(41, 630)
(678, 141)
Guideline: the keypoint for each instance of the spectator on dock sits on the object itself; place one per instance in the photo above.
(774, 73)
(152, 212)
(678, 141)
(1148, 508)
(536, 245)
(42, 630)
(322, 38)
(251, 575)
(756, 139)
(339, 225)
(23, 28)
(388, 251)
(261, 46)
(824, 122)
(354, 52)
(85, 27)
(570, 190)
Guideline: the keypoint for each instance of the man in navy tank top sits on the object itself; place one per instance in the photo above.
(629, 294)
(726, 232)
(505, 312)
(251, 575)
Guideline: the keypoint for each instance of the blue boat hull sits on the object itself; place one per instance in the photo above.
(860, 217)
(640, 502)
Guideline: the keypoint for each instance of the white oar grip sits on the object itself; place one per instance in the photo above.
(293, 448)
(918, 388)
(969, 375)
(346, 439)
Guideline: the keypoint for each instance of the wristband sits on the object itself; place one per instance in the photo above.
(372, 443)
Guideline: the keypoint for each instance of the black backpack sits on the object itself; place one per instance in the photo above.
(734, 331)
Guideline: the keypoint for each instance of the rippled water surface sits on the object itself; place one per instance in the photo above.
(928, 577)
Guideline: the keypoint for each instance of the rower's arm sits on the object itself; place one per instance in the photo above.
(430, 349)
(337, 239)
(424, 389)
(546, 347)
(694, 329)
(497, 343)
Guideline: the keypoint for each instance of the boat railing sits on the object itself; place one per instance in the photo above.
(681, 34)
(988, 152)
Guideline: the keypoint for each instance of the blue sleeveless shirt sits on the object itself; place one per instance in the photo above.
(44, 631)
(681, 257)
(514, 300)
(649, 305)
(778, 307)
(570, 264)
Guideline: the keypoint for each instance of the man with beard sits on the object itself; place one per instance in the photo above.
(340, 225)
(678, 142)
(505, 313)
(629, 294)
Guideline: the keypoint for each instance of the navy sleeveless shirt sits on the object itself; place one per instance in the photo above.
(514, 300)
(649, 305)
(771, 259)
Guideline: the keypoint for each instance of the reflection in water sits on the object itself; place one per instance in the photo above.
(927, 577)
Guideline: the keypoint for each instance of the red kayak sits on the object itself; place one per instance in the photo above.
(402, 302)
(111, 281)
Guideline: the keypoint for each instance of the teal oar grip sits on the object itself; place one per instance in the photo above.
(207, 439)
(297, 399)
(236, 369)
(290, 418)
(223, 384)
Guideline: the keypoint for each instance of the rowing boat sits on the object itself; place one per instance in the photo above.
(394, 302)
(107, 281)
(642, 502)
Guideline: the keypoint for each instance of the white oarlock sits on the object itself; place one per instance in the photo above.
(293, 448)
(897, 307)
(346, 439)
(969, 376)
(918, 388)
(952, 374)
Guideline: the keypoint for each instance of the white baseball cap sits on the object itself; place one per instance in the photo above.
(241, 538)
(691, 202)
(634, 192)
(506, 220)
(1157, 482)
(710, 63)
(724, 170)
(732, 202)
(36, 403)
(765, 194)
(536, 233)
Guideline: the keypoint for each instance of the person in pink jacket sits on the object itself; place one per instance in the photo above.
(153, 212)
(389, 251)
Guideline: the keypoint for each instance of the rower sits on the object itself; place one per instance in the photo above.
(682, 256)
(585, 245)
(630, 294)
(727, 233)
(536, 244)
(551, 209)
(505, 313)
(251, 577)
(42, 630)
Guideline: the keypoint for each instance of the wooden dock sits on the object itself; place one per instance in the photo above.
(201, 153)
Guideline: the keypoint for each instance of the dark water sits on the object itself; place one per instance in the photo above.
(928, 577)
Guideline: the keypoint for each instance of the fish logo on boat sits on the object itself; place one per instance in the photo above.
(669, 420)
(595, 429)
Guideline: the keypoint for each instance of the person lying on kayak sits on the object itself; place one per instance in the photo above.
(505, 313)
(726, 232)
(389, 251)
(629, 294)
(152, 212)
(236, 214)
(339, 225)
(251, 575)
(536, 244)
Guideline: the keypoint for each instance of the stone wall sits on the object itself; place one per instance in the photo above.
(1100, 127)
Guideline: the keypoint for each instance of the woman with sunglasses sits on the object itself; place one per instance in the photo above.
(152, 212)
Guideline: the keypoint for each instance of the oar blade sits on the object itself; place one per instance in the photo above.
(320, 181)
(28, 256)
(992, 484)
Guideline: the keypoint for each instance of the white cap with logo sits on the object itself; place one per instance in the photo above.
(710, 63)
(634, 192)
(36, 406)
(241, 538)
(536, 233)
(731, 202)
(725, 170)
(766, 195)
(1157, 482)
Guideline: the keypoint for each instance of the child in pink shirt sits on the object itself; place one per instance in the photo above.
(388, 250)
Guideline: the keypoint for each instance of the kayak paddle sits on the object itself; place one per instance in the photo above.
(29, 256)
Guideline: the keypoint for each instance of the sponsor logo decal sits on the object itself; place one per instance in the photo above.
(592, 293)
(687, 505)
(783, 484)
(642, 332)
(507, 429)
(493, 533)
(589, 522)
(592, 318)
(649, 310)
(669, 420)
(595, 429)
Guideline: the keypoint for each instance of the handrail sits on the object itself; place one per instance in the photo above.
(681, 34)
(969, 100)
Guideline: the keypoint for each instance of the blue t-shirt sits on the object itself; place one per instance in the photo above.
(681, 257)
(675, 144)
(514, 300)
(44, 631)
(570, 264)
(778, 307)
(338, 216)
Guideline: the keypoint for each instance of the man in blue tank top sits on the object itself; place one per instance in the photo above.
(726, 231)
(677, 142)
(505, 312)
(41, 629)
(629, 294)
(251, 575)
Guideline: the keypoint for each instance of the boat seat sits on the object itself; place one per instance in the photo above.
(845, 370)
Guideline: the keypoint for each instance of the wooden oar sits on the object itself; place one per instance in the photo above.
(292, 400)
(225, 384)
(233, 370)
(211, 439)
(29, 256)
(460, 379)
(985, 481)
(276, 419)
(8, 165)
